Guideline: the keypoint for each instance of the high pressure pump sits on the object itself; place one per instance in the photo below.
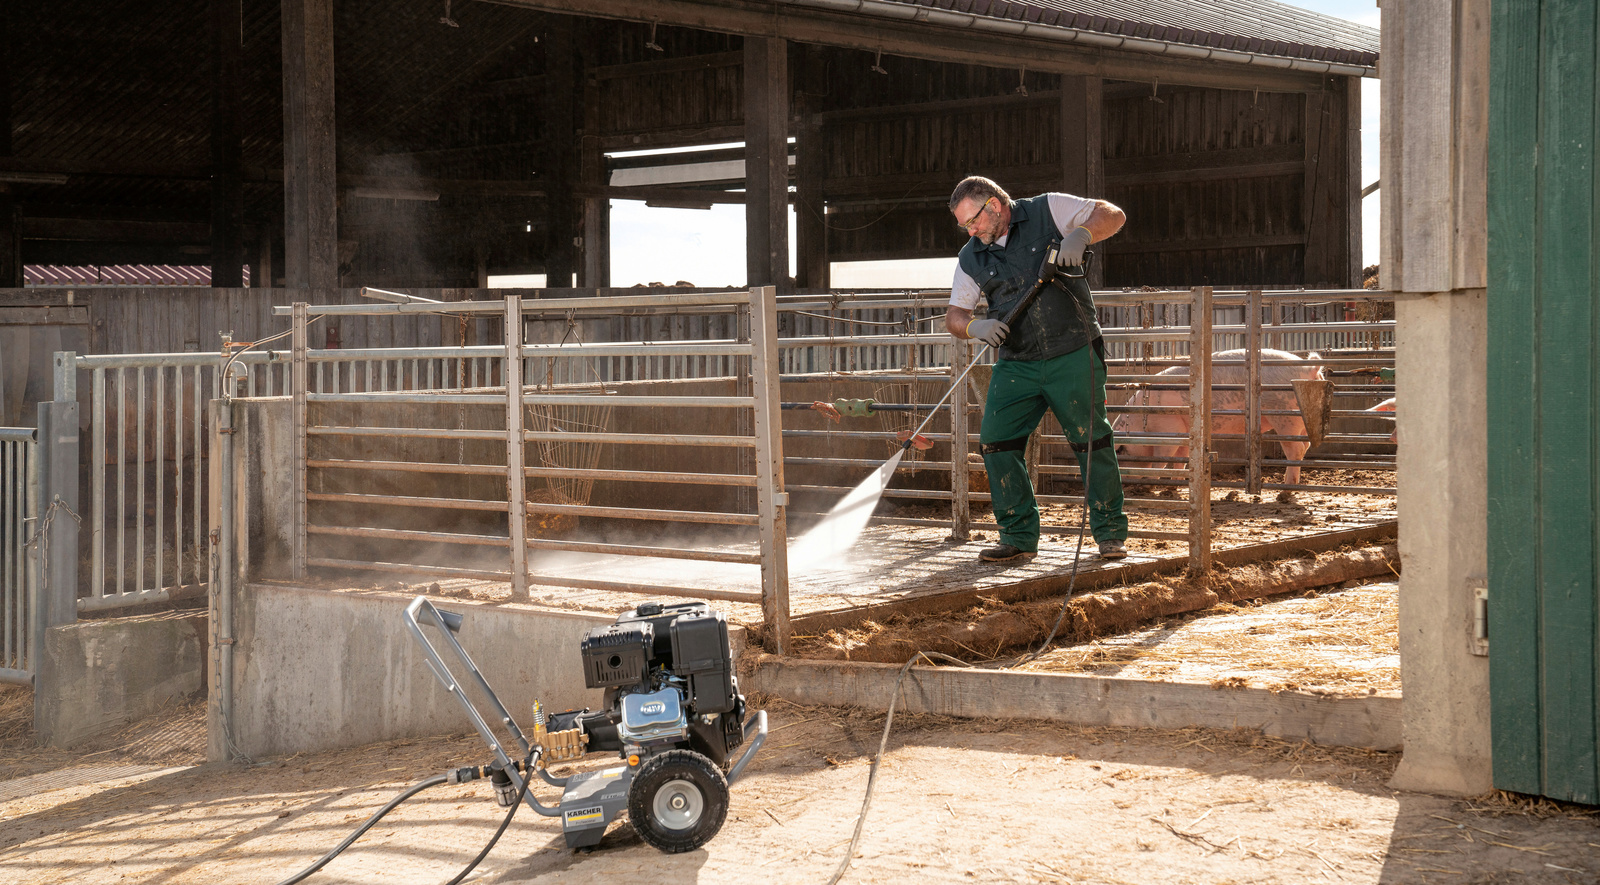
(671, 711)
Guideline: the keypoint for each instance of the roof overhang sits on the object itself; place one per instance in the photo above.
(944, 35)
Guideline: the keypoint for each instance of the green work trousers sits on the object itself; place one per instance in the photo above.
(1073, 386)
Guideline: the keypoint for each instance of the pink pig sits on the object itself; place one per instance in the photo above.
(1178, 422)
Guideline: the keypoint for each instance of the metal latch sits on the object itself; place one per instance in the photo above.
(1479, 642)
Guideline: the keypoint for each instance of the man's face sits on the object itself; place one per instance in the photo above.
(982, 217)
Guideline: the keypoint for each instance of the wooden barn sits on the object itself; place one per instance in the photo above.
(420, 143)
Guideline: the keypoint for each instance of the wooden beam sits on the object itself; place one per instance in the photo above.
(310, 183)
(1042, 98)
(596, 209)
(640, 139)
(1230, 158)
(1354, 194)
(1220, 173)
(1116, 246)
(10, 212)
(561, 168)
(914, 39)
(117, 230)
(811, 220)
(1082, 145)
(657, 67)
(227, 184)
(766, 165)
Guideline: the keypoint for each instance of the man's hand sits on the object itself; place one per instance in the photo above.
(990, 332)
(1070, 253)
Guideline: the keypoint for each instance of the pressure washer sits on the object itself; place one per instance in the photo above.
(671, 710)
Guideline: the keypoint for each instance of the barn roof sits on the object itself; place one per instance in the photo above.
(1254, 26)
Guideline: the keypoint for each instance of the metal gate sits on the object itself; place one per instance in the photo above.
(19, 511)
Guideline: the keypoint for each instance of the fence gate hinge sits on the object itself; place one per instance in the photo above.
(1479, 641)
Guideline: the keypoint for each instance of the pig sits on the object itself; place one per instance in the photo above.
(1285, 425)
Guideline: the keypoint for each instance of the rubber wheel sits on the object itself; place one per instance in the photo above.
(678, 800)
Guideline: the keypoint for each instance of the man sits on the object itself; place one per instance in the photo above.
(1051, 358)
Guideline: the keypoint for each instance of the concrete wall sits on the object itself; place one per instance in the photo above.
(1434, 150)
(106, 673)
(317, 669)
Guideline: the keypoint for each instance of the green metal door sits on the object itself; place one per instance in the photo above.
(1544, 376)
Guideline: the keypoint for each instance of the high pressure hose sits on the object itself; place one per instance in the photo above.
(454, 777)
(894, 694)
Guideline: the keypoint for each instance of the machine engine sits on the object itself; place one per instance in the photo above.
(667, 671)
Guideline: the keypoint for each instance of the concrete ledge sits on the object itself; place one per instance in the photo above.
(323, 669)
(1372, 722)
(105, 673)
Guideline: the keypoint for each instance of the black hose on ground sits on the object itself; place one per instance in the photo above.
(350, 839)
(414, 789)
(527, 775)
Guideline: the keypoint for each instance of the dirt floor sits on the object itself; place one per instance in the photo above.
(956, 801)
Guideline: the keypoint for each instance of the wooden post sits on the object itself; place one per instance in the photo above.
(771, 499)
(766, 160)
(310, 183)
(810, 169)
(960, 474)
(561, 166)
(227, 182)
(1083, 165)
(10, 212)
(1252, 339)
(596, 210)
(1351, 176)
(1200, 431)
(516, 443)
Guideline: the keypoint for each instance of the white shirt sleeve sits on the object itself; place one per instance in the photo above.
(964, 291)
(1069, 211)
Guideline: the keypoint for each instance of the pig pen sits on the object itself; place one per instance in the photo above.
(659, 520)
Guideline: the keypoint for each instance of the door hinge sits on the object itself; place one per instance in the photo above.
(1478, 643)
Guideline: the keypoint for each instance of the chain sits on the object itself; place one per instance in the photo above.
(41, 537)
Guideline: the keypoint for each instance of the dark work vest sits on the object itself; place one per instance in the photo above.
(1059, 321)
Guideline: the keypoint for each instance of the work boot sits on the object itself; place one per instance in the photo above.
(1112, 549)
(1004, 553)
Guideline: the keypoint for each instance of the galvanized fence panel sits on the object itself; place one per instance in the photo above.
(19, 512)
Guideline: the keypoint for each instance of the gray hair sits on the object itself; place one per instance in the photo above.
(977, 186)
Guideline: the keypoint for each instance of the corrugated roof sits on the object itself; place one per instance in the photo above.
(1260, 26)
(120, 275)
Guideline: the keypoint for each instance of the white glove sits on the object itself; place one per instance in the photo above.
(1070, 253)
(990, 332)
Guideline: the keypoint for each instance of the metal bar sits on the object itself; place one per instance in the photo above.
(637, 550)
(516, 449)
(646, 589)
(120, 517)
(433, 570)
(771, 498)
(409, 432)
(557, 306)
(138, 519)
(409, 501)
(708, 479)
(177, 475)
(1200, 432)
(97, 485)
(863, 434)
(1253, 391)
(709, 517)
(198, 520)
(406, 535)
(411, 466)
(301, 451)
(160, 475)
(960, 474)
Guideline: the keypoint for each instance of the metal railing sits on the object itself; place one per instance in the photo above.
(19, 513)
(350, 446)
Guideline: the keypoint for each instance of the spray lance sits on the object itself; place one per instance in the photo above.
(1047, 275)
